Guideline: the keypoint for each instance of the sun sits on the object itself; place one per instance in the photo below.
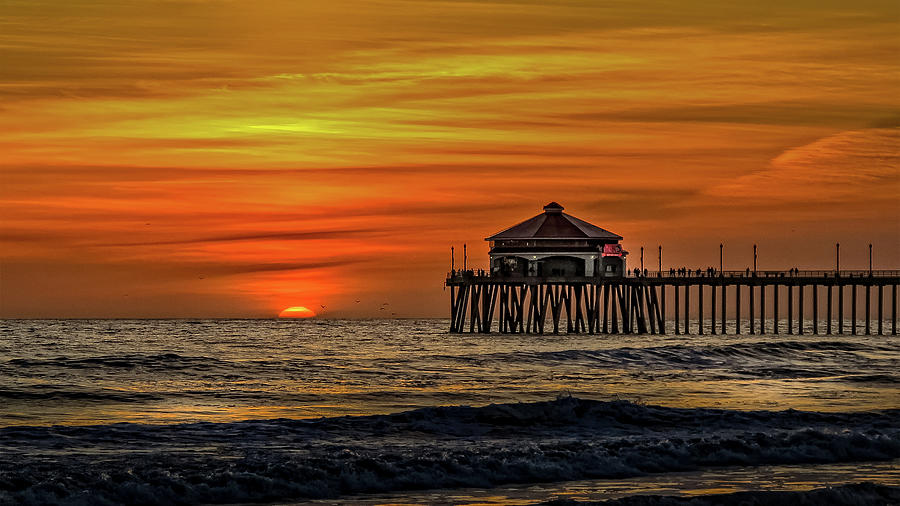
(296, 312)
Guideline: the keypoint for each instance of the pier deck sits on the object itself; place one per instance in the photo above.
(637, 303)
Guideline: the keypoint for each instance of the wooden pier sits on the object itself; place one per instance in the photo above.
(637, 304)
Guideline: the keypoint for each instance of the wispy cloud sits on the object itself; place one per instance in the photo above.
(856, 165)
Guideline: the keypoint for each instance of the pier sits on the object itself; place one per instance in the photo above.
(699, 303)
(555, 269)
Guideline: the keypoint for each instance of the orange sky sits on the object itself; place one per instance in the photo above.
(228, 158)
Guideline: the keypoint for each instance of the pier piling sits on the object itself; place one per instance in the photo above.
(815, 308)
(868, 304)
(724, 297)
(700, 309)
(775, 321)
(790, 304)
(840, 309)
(752, 312)
(762, 309)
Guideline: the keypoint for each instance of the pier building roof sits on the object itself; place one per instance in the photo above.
(553, 223)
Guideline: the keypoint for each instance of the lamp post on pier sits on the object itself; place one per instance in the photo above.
(642, 259)
(870, 259)
(660, 261)
(721, 257)
(754, 259)
(837, 258)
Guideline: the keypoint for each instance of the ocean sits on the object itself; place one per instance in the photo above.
(402, 412)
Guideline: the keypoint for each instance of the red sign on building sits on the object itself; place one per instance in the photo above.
(612, 250)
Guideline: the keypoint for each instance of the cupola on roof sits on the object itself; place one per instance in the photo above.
(553, 223)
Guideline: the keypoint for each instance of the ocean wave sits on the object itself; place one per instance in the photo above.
(834, 359)
(837, 359)
(687, 355)
(441, 447)
(855, 494)
(123, 361)
(51, 392)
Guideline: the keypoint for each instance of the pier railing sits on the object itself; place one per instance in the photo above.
(481, 275)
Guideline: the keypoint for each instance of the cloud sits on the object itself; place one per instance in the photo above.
(856, 164)
(272, 236)
(234, 268)
(793, 112)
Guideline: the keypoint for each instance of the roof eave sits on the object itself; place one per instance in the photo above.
(577, 238)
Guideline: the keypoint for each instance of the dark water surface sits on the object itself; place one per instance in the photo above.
(169, 411)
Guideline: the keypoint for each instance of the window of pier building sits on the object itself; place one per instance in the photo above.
(553, 266)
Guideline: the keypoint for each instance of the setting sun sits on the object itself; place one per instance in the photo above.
(296, 312)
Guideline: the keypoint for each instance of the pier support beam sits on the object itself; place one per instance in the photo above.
(606, 308)
(452, 308)
(828, 312)
(712, 311)
(623, 309)
(775, 322)
(894, 310)
(659, 302)
(700, 309)
(800, 310)
(815, 309)
(677, 321)
(724, 291)
(840, 309)
(737, 309)
(752, 311)
(790, 322)
(853, 310)
(868, 310)
(762, 309)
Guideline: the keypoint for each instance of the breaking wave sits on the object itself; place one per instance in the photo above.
(438, 447)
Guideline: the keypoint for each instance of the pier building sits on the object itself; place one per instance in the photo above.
(555, 269)
(556, 244)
